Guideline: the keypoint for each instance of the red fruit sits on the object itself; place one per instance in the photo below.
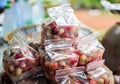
(89, 59)
(92, 82)
(76, 51)
(26, 69)
(73, 60)
(22, 64)
(53, 65)
(19, 55)
(67, 28)
(53, 24)
(32, 62)
(55, 30)
(65, 35)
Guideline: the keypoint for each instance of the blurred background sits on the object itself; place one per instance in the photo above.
(15, 14)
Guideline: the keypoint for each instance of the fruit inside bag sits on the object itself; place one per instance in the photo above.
(19, 58)
(61, 24)
(59, 55)
(61, 51)
(89, 49)
(71, 76)
(101, 75)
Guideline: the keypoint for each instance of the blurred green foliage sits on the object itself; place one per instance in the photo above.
(90, 3)
(87, 3)
(114, 1)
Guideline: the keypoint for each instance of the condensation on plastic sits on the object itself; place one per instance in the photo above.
(68, 76)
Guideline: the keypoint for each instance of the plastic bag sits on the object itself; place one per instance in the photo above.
(94, 65)
(89, 49)
(59, 56)
(71, 76)
(19, 58)
(101, 75)
(61, 24)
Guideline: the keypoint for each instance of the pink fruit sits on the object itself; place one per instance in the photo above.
(68, 28)
(73, 60)
(76, 51)
(53, 65)
(18, 71)
(100, 81)
(90, 59)
(22, 65)
(11, 68)
(65, 35)
(20, 55)
(99, 58)
(61, 31)
(92, 82)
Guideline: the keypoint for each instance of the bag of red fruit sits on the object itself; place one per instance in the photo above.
(71, 76)
(59, 55)
(89, 49)
(19, 59)
(61, 24)
(101, 75)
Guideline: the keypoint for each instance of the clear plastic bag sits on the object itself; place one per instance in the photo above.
(61, 24)
(18, 59)
(59, 55)
(71, 76)
(89, 49)
(101, 75)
